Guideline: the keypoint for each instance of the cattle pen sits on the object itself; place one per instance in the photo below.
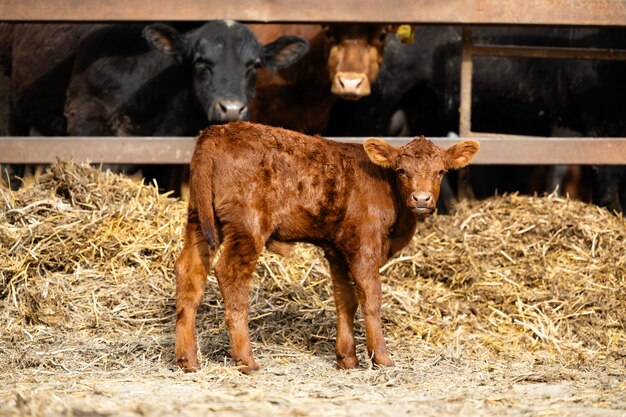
(512, 306)
(496, 148)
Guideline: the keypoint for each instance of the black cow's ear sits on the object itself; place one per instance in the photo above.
(284, 51)
(166, 39)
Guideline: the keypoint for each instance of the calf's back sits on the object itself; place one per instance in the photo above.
(286, 185)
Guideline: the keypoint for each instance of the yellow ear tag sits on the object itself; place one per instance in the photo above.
(405, 33)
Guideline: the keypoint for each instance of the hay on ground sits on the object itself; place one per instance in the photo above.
(87, 261)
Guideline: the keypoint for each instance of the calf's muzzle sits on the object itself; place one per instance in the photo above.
(423, 202)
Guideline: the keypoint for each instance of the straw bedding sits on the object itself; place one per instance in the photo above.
(87, 261)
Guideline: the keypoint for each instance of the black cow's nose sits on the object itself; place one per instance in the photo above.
(230, 110)
(422, 199)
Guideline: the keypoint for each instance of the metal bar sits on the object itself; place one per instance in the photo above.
(465, 109)
(131, 150)
(497, 135)
(533, 12)
(178, 150)
(548, 52)
(470, 50)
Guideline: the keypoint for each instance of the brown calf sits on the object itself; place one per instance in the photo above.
(254, 186)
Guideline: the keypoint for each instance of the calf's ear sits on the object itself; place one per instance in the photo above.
(381, 153)
(284, 51)
(165, 39)
(460, 154)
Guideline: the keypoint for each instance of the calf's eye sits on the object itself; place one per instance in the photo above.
(401, 172)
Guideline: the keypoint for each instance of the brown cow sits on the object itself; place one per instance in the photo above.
(255, 186)
(343, 61)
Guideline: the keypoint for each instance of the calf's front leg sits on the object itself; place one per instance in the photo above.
(368, 290)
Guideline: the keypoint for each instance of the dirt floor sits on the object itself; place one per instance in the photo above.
(514, 306)
(300, 383)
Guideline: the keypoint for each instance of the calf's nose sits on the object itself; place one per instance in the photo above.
(231, 110)
(423, 199)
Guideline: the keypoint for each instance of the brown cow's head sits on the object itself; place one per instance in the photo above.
(354, 57)
(420, 166)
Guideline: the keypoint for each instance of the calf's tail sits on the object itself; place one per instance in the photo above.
(201, 200)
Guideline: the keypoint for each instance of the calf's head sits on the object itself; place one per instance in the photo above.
(225, 56)
(354, 57)
(419, 167)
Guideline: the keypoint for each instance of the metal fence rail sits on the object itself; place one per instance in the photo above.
(178, 150)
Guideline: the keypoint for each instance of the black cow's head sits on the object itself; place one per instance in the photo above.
(225, 57)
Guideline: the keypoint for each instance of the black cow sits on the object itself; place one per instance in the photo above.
(510, 95)
(132, 79)
(173, 84)
(37, 61)
(40, 62)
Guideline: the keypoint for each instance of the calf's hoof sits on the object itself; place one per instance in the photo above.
(383, 360)
(247, 366)
(187, 365)
(348, 362)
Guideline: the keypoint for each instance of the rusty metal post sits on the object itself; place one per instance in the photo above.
(549, 52)
(465, 109)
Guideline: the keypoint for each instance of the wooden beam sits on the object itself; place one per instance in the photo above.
(178, 150)
(535, 12)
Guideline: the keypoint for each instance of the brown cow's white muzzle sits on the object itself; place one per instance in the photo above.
(351, 85)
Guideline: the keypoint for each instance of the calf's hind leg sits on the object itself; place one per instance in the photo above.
(346, 305)
(234, 272)
(191, 269)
